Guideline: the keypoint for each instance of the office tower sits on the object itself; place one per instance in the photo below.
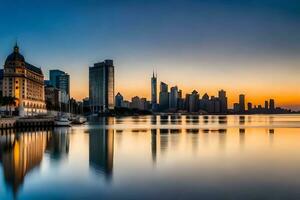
(119, 100)
(25, 82)
(236, 107)
(1, 82)
(193, 102)
(163, 97)
(242, 103)
(249, 105)
(272, 104)
(173, 99)
(203, 103)
(154, 92)
(101, 86)
(216, 105)
(266, 105)
(136, 103)
(223, 101)
(60, 80)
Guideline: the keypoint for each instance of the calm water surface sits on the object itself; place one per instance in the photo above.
(174, 157)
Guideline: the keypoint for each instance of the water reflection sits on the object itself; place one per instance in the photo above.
(20, 154)
(101, 149)
(58, 145)
(112, 158)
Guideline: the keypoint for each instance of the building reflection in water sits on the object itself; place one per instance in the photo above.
(21, 153)
(242, 132)
(101, 148)
(59, 143)
(222, 119)
(154, 144)
(242, 120)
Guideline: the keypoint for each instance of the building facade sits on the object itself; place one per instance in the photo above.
(154, 92)
(101, 86)
(163, 97)
(24, 82)
(242, 103)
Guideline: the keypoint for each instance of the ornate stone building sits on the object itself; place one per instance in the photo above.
(25, 82)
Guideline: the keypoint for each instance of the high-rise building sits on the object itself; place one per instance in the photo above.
(119, 100)
(101, 86)
(25, 82)
(272, 104)
(163, 97)
(266, 105)
(60, 80)
(173, 98)
(135, 103)
(154, 92)
(236, 107)
(242, 103)
(223, 101)
(193, 102)
(249, 107)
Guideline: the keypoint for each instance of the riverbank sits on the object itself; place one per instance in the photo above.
(24, 122)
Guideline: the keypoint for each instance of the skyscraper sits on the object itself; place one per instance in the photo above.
(61, 80)
(119, 100)
(223, 101)
(154, 91)
(272, 104)
(101, 86)
(173, 98)
(266, 105)
(163, 97)
(242, 103)
(193, 101)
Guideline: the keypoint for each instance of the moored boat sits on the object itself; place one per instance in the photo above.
(62, 121)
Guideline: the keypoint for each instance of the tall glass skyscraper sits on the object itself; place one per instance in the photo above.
(154, 92)
(101, 86)
(60, 80)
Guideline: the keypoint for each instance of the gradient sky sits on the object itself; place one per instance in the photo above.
(250, 46)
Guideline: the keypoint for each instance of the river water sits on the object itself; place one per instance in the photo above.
(155, 157)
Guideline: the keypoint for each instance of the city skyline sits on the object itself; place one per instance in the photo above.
(250, 47)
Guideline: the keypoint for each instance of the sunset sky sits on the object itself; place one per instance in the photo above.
(250, 47)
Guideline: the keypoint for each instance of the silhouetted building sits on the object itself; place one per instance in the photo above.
(135, 102)
(266, 105)
(101, 86)
(193, 101)
(154, 92)
(52, 97)
(242, 103)
(249, 107)
(119, 100)
(272, 104)
(173, 98)
(236, 107)
(223, 101)
(163, 97)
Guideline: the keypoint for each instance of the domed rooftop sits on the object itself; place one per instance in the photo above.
(15, 56)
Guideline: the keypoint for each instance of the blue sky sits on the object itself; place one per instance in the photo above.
(241, 46)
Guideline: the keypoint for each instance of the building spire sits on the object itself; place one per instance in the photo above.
(16, 47)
